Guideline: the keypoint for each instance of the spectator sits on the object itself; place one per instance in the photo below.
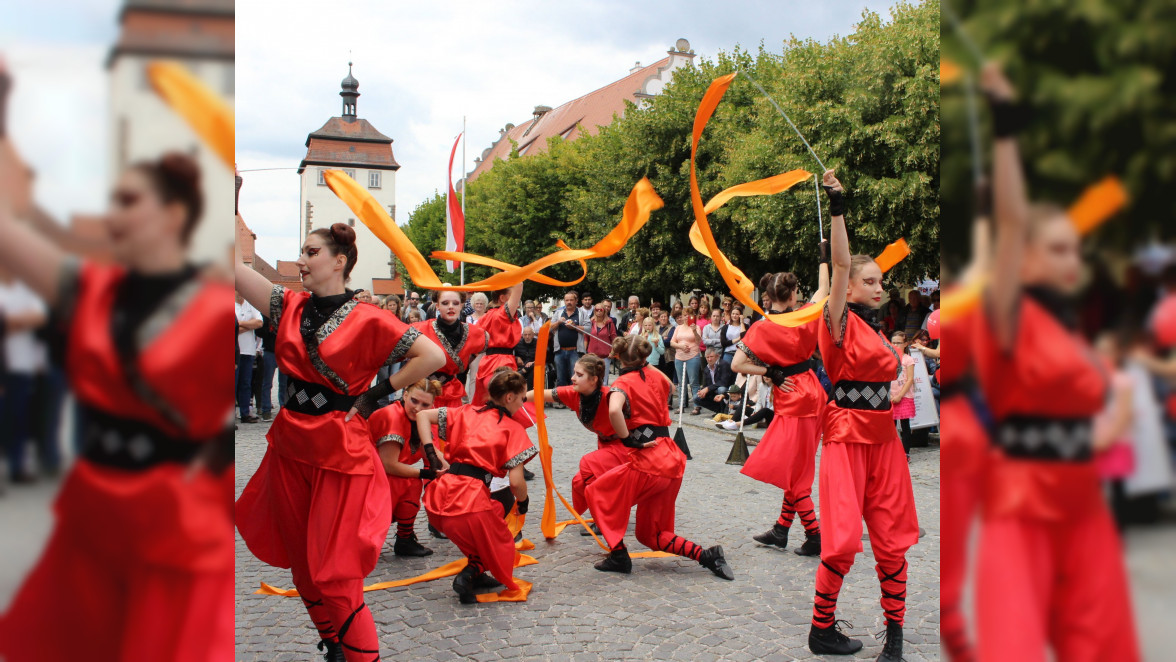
(902, 397)
(567, 341)
(675, 313)
(916, 312)
(730, 334)
(413, 302)
(704, 312)
(248, 319)
(267, 364)
(532, 317)
(666, 329)
(712, 332)
(362, 296)
(393, 305)
(414, 316)
(649, 332)
(635, 327)
(893, 314)
(525, 354)
(692, 310)
(766, 304)
(603, 327)
(716, 379)
(608, 310)
(586, 303)
(631, 316)
(467, 308)
(1115, 459)
(477, 302)
(685, 341)
(21, 312)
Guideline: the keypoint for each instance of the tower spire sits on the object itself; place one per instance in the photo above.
(350, 94)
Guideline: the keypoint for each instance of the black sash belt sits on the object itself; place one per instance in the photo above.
(315, 399)
(649, 432)
(1041, 438)
(507, 351)
(797, 368)
(962, 386)
(463, 469)
(441, 377)
(123, 444)
(869, 396)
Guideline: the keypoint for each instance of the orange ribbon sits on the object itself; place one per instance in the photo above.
(208, 115)
(949, 72)
(642, 201)
(703, 239)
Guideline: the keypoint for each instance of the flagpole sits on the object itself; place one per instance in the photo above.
(463, 187)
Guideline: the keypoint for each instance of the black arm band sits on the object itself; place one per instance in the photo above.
(632, 442)
(523, 505)
(368, 401)
(824, 247)
(1008, 118)
(428, 474)
(836, 201)
(431, 456)
(775, 374)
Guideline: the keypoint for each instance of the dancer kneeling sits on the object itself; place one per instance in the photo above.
(394, 432)
(481, 442)
(651, 474)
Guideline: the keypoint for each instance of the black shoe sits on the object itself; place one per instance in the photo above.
(486, 580)
(595, 529)
(334, 650)
(463, 585)
(410, 547)
(777, 535)
(892, 649)
(811, 546)
(267, 415)
(250, 419)
(617, 561)
(528, 474)
(830, 641)
(437, 534)
(712, 559)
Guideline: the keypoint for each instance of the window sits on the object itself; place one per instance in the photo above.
(349, 173)
(374, 179)
(351, 222)
(392, 211)
(322, 178)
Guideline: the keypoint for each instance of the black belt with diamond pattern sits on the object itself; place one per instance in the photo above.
(315, 399)
(117, 442)
(649, 432)
(868, 396)
(1045, 438)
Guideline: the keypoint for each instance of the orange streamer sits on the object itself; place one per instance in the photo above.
(949, 72)
(740, 286)
(642, 201)
(1098, 203)
(208, 115)
(447, 570)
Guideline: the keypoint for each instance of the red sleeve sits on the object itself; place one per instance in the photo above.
(396, 337)
(390, 424)
(568, 396)
(519, 449)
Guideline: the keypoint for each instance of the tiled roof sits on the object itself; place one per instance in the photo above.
(343, 142)
(189, 6)
(175, 34)
(358, 129)
(385, 286)
(590, 111)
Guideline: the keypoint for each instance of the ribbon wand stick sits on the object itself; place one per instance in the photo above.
(785, 115)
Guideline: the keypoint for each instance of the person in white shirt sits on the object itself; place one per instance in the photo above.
(248, 319)
(21, 312)
(532, 317)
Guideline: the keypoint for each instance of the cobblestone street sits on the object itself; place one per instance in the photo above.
(668, 609)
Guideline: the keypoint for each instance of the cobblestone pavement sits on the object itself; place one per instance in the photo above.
(668, 609)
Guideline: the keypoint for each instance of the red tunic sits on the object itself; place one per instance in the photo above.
(646, 392)
(483, 439)
(352, 346)
(1049, 373)
(391, 423)
(473, 341)
(862, 354)
(769, 344)
(599, 424)
(503, 333)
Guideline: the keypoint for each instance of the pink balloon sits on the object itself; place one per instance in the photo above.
(1164, 321)
(933, 324)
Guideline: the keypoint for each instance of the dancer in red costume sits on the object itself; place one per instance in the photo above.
(394, 432)
(651, 474)
(1050, 574)
(864, 472)
(318, 503)
(483, 441)
(460, 341)
(140, 562)
(786, 456)
(588, 398)
(503, 331)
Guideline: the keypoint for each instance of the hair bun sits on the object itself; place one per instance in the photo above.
(343, 234)
(180, 168)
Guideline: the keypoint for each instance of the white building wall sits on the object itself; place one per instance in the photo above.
(143, 127)
(373, 256)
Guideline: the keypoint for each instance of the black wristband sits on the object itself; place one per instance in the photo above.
(1008, 118)
(428, 474)
(523, 505)
(775, 375)
(824, 248)
(368, 401)
(983, 199)
(836, 201)
(431, 456)
(632, 442)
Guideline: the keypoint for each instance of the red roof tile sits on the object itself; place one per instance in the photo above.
(341, 142)
(175, 33)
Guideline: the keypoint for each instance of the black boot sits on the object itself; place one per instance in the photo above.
(617, 561)
(777, 535)
(410, 546)
(811, 546)
(437, 534)
(463, 585)
(334, 650)
(830, 641)
(486, 580)
(528, 474)
(595, 529)
(712, 559)
(892, 649)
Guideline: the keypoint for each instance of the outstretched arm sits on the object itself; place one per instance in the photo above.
(253, 286)
(30, 257)
(512, 304)
(838, 253)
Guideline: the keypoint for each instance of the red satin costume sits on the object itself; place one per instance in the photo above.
(649, 478)
(460, 506)
(473, 341)
(609, 453)
(318, 503)
(503, 332)
(787, 455)
(391, 424)
(140, 563)
(1050, 572)
(864, 474)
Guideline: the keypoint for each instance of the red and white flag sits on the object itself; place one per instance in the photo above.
(454, 219)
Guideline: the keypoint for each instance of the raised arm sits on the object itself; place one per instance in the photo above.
(838, 253)
(253, 286)
(30, 257)
(512, 304)
(822, 274)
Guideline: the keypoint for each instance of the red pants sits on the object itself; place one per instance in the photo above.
(1053, 585)
(870, 481)
(328, 528)
(787, 458)
(611, 498)
(485, 540)
(406, 503)
(594, 464)
(964, 447)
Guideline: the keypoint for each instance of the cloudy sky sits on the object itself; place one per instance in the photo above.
(422, 66)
